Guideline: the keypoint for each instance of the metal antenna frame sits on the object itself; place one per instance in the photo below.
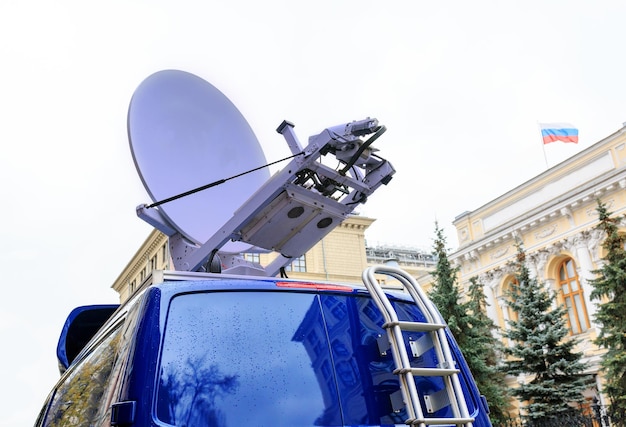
(296, 207)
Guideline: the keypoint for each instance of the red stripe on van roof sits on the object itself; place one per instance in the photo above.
(318, 286)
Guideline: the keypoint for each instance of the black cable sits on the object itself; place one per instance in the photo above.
(218, 182)
(362, 148)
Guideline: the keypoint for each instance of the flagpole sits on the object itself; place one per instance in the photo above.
(543, 146)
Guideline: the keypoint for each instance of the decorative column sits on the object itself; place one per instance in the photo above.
(539, 260)
(504, 307)
(549, 284)
(490, 281)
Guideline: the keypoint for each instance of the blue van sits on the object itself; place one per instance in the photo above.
(237, 346)
(201, 349)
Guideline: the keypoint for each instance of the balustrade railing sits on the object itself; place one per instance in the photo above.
(593, 416)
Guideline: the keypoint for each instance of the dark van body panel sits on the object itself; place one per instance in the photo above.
(224, 352)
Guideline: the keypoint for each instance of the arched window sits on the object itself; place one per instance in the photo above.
(572, 292)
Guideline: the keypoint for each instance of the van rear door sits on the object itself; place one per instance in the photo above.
(282, 358)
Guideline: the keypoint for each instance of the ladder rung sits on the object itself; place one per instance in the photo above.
(415, 326)
(440, 421)
(427, 372)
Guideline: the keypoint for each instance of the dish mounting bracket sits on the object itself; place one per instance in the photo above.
(296, 207)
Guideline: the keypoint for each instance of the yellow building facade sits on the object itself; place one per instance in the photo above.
(554, 216)
(341, 257)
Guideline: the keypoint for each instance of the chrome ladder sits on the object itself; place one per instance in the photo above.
(445, 369)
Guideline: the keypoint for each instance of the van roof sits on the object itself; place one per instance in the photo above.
(178, 280)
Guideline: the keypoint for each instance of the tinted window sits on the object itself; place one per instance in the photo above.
(232, 359)
(282, 359)
(77, 401)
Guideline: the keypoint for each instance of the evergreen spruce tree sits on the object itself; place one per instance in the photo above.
(470, 326)
(482, 352)
(445, 293)
(610, 290)
(541, 350)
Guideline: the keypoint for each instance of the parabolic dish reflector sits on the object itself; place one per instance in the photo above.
(184, 133)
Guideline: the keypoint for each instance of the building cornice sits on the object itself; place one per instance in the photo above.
(540, 222)
(154, 240)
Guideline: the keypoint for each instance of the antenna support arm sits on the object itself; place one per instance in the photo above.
(286, 130)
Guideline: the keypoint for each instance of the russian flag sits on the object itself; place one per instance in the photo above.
(565, 132)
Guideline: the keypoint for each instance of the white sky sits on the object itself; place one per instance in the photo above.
(460, 86)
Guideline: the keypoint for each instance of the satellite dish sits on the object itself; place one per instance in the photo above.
(184, 133)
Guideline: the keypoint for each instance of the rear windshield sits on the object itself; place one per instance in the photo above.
(281, 359)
